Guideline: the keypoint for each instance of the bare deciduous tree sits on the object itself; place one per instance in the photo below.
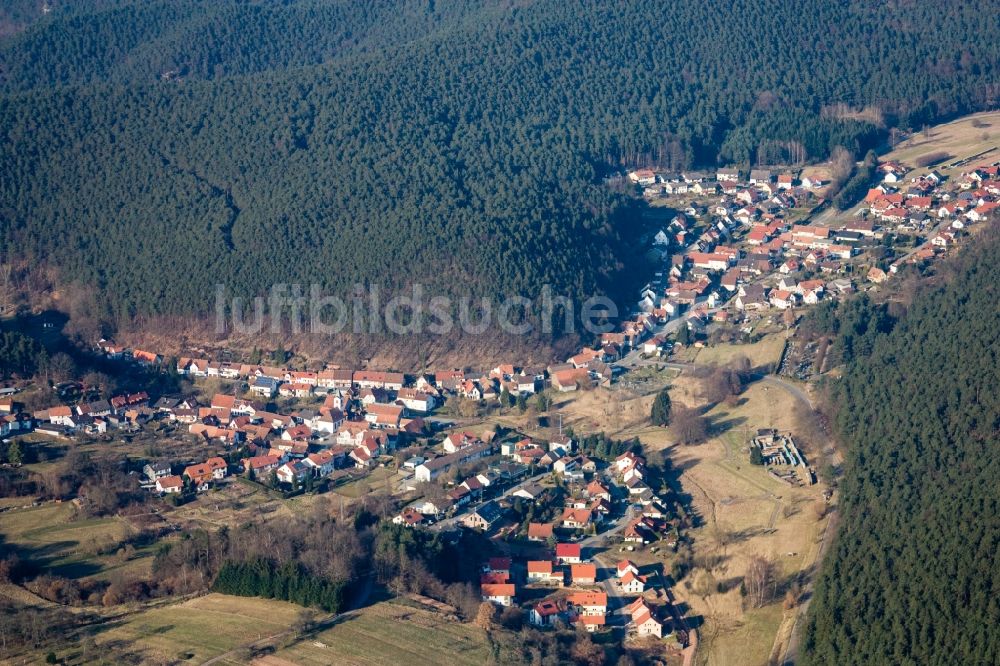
(759, 581)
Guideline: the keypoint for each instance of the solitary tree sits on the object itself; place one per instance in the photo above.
(505, 399)
(487, 616)
(684, 335)
(660, 411)
(688, 426)
(14, 455)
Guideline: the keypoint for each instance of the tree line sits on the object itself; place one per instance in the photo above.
(912, 575)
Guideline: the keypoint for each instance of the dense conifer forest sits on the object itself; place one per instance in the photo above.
(163, 147)
(913, 576)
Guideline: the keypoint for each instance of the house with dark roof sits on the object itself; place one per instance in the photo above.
(484, 517)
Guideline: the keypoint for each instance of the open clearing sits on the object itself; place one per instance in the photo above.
(764, 352)
(742, 512)
(199, 629)
(391, 633)
(47, 535)
(960, 139)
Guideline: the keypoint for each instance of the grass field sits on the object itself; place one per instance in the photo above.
(198, 629)
(47, 535)
(960, 139)
(743, 512)
(379, 479)
(765, 351)
(391, 633)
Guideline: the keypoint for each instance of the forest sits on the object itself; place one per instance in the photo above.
(913, 576)
(162, 148)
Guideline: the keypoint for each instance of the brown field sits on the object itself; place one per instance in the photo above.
(743, 512)
(391, 633)
(765, 351)
(746, 513)
(229, 504)
(960, 139)
(48, 534)
(198, 629)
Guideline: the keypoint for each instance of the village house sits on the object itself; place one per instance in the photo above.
(293, 472)
(384, 416)
(322, 463)
(539, 531)
(146, 358)
(157, 470)
(546, 612)
(416, 401)
(408, 517)
(583, 574)
(213, 469)
(499, 593)
(260, 466)
(644, 620)
(265, 387)
(783, 299)
(484, 517)
(459, 440)
(626, 566)
(588, 603)
(576, 519)
(568, 553)
(431, 469)
(169, 484)
(591, 623)
(877, 275)
(570, 379)
(394, 381)
(727, 175)
(542, 571)
(632, 583)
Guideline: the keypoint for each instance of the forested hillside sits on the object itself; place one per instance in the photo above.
(126, 41)
(914, 575)
(444, 143)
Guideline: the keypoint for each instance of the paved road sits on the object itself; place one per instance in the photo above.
(607, 571)
(789, 386)
(447, 522)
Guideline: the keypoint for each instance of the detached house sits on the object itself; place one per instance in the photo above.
(546, 612)
(212, 469)
(588, 603)
(576, 519)
(542, 571)
(484, 517)
(384, 416)
(169, 484)
(293, 472)
(568, 553)
(539, 531)
(632, 583)
(322, 463)
(265, 387)
(583, 574)
(499, 593)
